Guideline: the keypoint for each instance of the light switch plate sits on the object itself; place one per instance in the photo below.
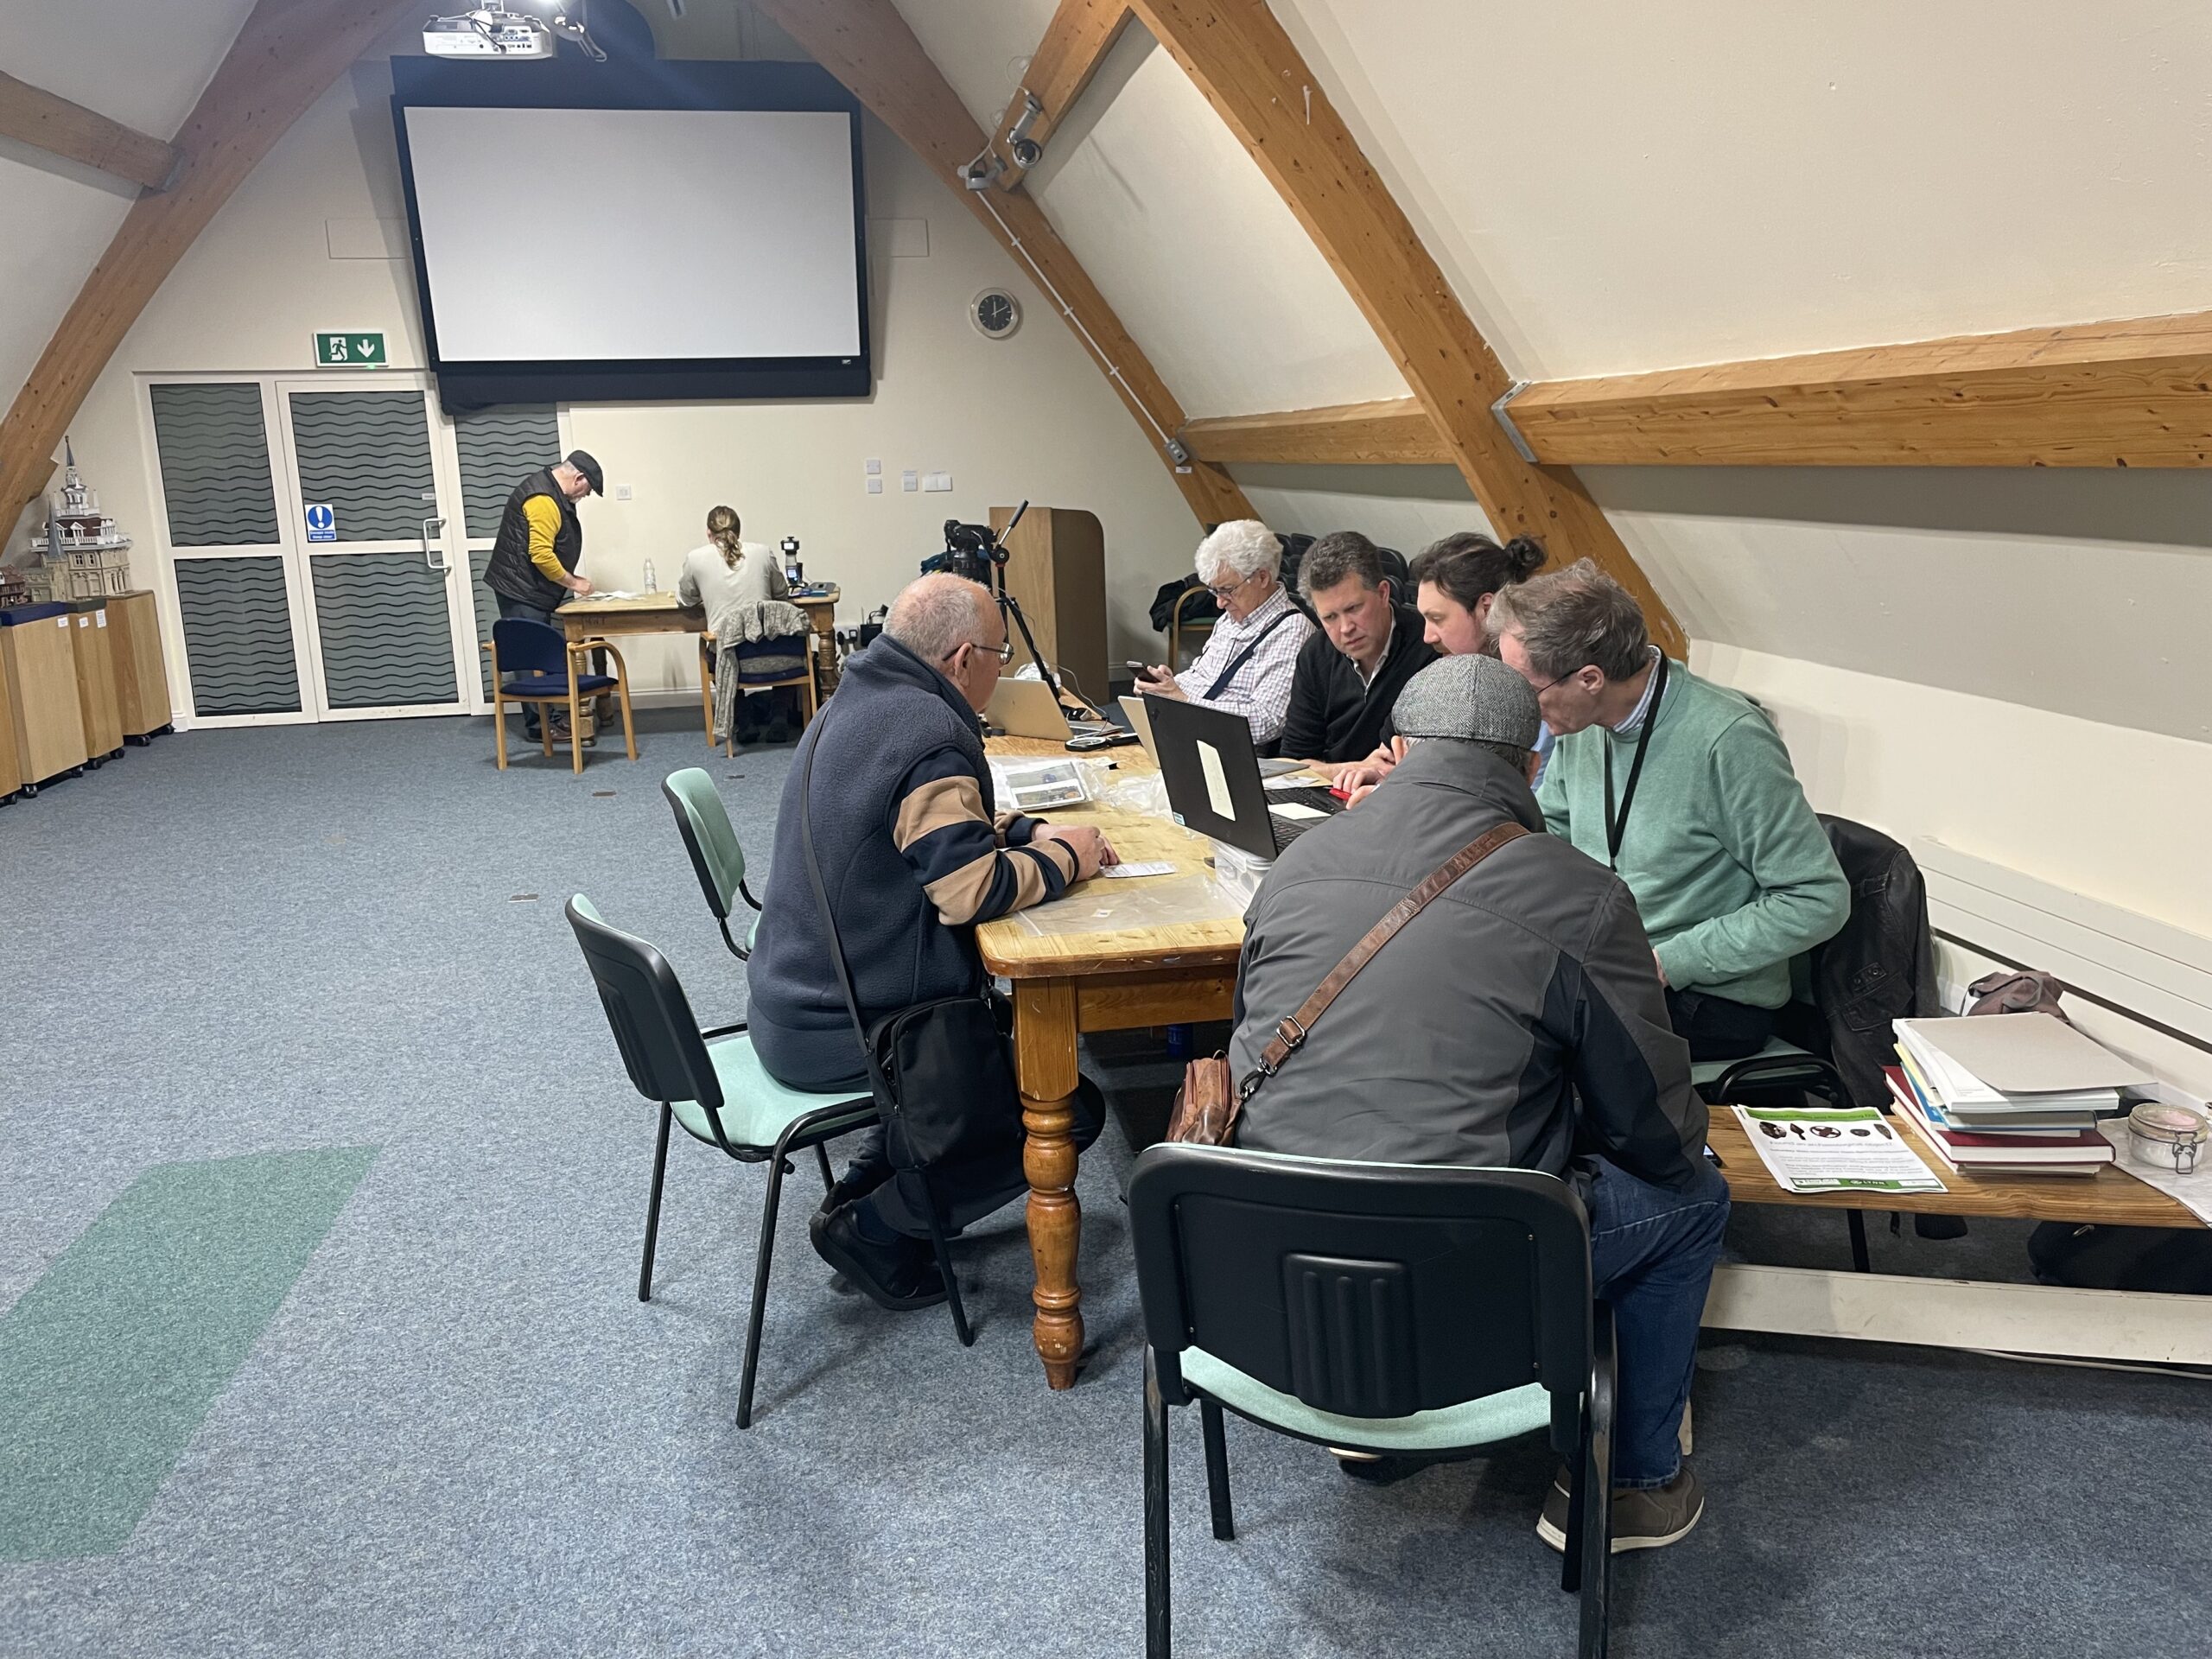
(874, 466)
(875, 487)
(937, 481)
(622, 491)
(910, 481)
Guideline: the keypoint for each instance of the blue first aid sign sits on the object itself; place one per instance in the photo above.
(323, 522)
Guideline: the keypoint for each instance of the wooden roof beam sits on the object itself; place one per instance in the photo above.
(2136, 393)
(1076, 41)
(59, 127)
(867, 46)
(1252, 73)
(286, 56)
(1396, 432)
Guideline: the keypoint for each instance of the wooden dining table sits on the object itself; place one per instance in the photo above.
(1110, 956)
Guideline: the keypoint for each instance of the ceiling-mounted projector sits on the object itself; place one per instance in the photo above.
(492, 31)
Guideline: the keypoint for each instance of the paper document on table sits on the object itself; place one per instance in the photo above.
(1821, 1150)
(1139, 867)
(1293, 780)
(1297, 810)
(602, 592)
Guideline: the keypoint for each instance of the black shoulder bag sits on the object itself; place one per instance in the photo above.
(1222, 680)
(940, 1070)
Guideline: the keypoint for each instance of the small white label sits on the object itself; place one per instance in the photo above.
(1141, 867)
(84, 619)
(102, 616)
(1218, 799)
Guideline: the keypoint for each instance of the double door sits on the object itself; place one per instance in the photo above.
(325, 544)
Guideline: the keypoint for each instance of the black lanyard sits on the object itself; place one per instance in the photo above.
(1616, 827)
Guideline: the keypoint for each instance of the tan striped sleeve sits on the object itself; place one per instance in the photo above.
(935, 805)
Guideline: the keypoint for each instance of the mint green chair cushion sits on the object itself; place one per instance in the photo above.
(1477, 1422)
(703, 808)
(756, 1108)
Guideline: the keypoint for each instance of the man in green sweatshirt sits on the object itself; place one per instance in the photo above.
(1683, 788)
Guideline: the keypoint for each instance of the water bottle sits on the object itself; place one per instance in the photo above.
(653, 582)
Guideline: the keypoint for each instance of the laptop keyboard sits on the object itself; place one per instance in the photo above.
(1316, 796)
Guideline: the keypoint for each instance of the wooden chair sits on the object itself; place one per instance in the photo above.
(1197, 627)
(804, 679)
(545, 670)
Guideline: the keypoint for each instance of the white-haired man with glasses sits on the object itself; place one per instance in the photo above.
(1249, 662)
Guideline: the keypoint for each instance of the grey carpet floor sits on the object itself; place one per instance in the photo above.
(462, 1435)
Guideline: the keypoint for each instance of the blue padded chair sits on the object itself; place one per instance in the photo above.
(713, 1084)
(532, 661)
(1378, 1308)
(717, 859)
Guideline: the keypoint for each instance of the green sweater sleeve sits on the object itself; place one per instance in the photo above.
(1771, 830)
(1551, 796)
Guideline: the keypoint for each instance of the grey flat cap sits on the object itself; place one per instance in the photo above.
(1474, 698)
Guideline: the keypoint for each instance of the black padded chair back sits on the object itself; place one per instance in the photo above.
(653, 1026)
(1367, 1290)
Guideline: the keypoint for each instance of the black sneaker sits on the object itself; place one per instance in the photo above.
(896, 1276)
(1644, 1517)
(1378, 1469)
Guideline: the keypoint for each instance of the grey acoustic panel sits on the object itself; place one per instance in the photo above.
(499, 447)
(238, 636)
(381, 619)
(488, 611)
(368, 454)
(214, 454)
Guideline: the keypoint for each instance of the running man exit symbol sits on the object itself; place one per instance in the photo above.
(350, 351)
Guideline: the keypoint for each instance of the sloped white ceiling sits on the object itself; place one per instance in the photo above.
(1196, 251)
(1613, 185)
(142, 64)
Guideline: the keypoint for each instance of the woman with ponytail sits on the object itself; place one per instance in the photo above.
(743, 590)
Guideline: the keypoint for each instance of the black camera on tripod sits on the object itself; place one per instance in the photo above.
(971, 550)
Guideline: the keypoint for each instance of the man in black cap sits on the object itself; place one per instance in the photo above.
(532, 569)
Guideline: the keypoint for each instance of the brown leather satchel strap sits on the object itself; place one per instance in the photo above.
(1291, 1031)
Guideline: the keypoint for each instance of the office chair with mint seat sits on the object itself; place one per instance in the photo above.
(1390, 1308)
(713, 1084)
(717, 857)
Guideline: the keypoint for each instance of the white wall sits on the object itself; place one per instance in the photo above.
(1026, 417)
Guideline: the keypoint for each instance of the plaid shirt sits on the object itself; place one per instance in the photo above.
(1261, 688)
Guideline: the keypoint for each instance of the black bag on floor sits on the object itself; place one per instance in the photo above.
(2177, 1260)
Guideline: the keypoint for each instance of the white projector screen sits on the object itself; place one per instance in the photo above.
(574, 235)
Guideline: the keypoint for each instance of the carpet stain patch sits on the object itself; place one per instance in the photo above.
(112, 1361)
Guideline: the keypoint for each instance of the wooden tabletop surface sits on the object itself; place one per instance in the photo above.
(1068, 938)
(2111, 1196)
(650, 604)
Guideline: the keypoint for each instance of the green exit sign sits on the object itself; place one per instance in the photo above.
(350, 351)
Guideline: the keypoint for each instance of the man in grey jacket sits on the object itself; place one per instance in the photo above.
(1517, 1020)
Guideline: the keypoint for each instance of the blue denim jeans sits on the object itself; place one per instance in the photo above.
(1651, 1255)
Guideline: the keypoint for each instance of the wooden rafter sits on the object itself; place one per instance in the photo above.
(70, 131)
(285, 57)
(867, 46)
(1076, 41)
(1252, 73)
(2137, 393)
(1396, 432)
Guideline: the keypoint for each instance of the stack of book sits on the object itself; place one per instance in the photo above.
(2016, 1094)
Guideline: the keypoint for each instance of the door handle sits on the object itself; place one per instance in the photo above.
(434, 554)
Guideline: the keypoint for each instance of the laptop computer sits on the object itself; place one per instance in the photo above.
(1213, 777)
(1031, 709)
(1140, 719)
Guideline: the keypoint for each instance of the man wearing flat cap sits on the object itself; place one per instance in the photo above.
(532, 569)
(1517, 1020)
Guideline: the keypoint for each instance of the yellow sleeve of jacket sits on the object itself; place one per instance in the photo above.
(544, 520)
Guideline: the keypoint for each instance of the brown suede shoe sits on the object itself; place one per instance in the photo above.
(1644, 1517)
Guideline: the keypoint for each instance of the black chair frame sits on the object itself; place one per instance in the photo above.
(665, 1053)
(1351, 1344)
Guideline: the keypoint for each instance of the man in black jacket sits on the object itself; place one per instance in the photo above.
(532, 569)
(1349, 675)
(1526, 1026)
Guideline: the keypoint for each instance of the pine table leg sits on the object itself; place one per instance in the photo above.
(1045, 1068)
